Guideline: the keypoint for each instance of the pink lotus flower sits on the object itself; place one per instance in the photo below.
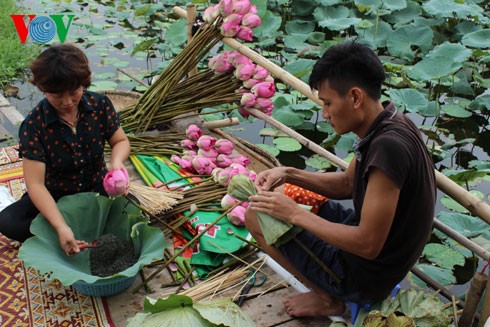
(269, 79)
(222, 177)
(189, 153)
(224, 146)
(244, 72)
(249, 83)
(242, 160)
(268, 110)
(210, 154)
(251, 20)
(116, 182)
(186, 165)
(220, 63)
(223, 161)
(241, 7)
(264, 89)
(252, 175)
(237, 216)
(263, 103)
(231, 25)
(245, 33)
(253, 9)
(211, 13)
(193, 132)
(228, 201)
(248, 100)
(238, 168)
(206, 142)
(238, 59)
(226, 7)
(189, 144)
(260, 73)
(203, 166)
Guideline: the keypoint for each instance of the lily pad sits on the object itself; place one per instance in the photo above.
(442, 255)
(287, 144)
(318, 162)
(269, 149)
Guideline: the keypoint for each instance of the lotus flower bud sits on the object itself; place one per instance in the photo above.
(252, 175)
(116, 182)
(210, 154)
(241, 187)
(249, 83)
(268, 110)
(251, 20)
(244, 72)
(253, 9)
(241, 7)
(242, 160)
(231, 25)
(211, 13)
(245, 33)
(224, 146)
(189, 153)
(175, 158)
(225, 7)
(206, 142)
(263, 103)
(228, 201)
(245, 204)
(238, 168)
(203, 166)
(189, 144)
(186, 165)
(264, 89)
(248, 100)
(193, 132)
(223, 161)
(237, 216)
(260, 73)
(269, 79)
(238, 59)
(220, 64)
(222, 177)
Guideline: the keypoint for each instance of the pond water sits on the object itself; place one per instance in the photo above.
(109, 44)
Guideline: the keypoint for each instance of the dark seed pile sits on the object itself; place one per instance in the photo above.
(111, 256)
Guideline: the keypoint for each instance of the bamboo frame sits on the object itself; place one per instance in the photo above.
(476, 206)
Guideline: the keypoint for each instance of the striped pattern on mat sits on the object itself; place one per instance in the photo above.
(27, 298)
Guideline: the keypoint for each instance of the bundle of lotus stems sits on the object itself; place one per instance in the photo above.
(154, 200)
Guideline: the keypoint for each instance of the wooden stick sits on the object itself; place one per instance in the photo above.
(221, 123)
(136, 79)
(476, 206)
(473, 297)
(455, 310)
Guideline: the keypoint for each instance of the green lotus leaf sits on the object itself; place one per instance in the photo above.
(401, 41)
(450, 8)
(339, 24)
(299, 27)
(269, 28)
(296, 41)
(456, 111)
(453, 51)
(453, 205)
(269, 149)
(466, 225)
(287, 144)
(177, 33)
(368, 3)
(90, 216)
(442, 255)
(346, 141)
(316, 37)
(302, 7)
(431, 68)
(318, 162)
(102, 85)
(478, 39)
(223, 312)
(395, 4)
(443, 276)
(300, 68)
(409, 99)
(288, 117)
(404, 16)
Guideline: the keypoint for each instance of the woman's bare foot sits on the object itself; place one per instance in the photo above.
(312, 305)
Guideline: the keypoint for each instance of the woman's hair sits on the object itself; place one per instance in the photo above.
(61, 68)
(346, 65)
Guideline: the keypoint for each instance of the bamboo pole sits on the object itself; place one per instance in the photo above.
(476, 206)
(473, 297)
(191, 20)
(221, 123)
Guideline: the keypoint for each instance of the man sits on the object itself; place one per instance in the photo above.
(391, 181)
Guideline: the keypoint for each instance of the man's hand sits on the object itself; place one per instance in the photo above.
(269, 179)
(277, 205)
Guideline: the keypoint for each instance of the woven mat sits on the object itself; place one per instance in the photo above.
(27, 298)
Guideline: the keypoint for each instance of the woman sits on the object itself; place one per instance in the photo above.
(61, 142)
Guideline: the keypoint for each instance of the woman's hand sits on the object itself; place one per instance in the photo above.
(267, 180)
(68, 242)
(276, 204)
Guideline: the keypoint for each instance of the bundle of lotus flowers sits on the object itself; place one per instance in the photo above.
(174, 93)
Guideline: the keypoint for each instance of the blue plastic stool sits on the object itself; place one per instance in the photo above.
(356, 307)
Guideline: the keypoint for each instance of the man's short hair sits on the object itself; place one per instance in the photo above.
(61, 68)
(347, 65)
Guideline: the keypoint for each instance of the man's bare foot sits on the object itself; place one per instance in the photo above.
(312, 305)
